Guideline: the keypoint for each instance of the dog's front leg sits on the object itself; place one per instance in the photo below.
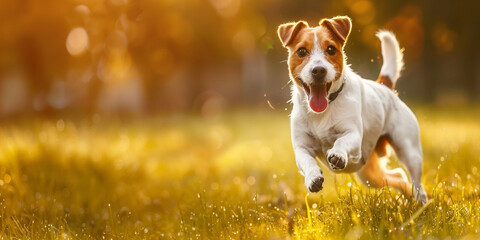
(346, 148)
(309, 168)
(303, 147)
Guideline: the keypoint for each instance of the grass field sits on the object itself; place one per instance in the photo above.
(187, 177)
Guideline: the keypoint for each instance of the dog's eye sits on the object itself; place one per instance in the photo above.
(331, 50)
(302, 52)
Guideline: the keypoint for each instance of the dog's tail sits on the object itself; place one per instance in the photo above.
(392, 59)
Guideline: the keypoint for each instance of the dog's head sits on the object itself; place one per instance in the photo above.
(316, 56)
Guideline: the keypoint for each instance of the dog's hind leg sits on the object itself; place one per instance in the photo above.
(408, 149)
(377, 175)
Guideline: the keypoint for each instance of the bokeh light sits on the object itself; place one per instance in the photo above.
(77, 41)
(154, 56)
(226, 8)
(444, 38)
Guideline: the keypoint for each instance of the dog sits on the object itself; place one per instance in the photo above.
(344, 120)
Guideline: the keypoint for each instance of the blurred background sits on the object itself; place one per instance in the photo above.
(134, 119)
(206, 56)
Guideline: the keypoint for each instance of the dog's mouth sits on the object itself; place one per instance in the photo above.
(317, 95)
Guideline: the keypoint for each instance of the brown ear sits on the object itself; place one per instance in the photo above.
(339, 26)
(288, 31)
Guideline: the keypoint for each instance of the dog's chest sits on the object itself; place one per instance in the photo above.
(324, 132)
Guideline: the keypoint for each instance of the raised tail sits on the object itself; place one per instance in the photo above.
(392, 59)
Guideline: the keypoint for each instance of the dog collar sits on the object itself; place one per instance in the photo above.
(334, 95)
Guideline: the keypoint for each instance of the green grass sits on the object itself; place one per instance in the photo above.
(234, 177)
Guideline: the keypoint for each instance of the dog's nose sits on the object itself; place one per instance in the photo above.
(319, 73)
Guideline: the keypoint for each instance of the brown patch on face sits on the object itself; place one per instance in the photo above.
(305, 39)
(336, 59)
(385, 80)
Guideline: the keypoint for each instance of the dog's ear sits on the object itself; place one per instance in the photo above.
(288, 31)
(339, 26)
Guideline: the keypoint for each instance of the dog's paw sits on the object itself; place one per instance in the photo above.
(314, 180)
(421, 195)
(337, 160)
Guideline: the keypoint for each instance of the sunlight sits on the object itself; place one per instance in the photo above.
(177, 119)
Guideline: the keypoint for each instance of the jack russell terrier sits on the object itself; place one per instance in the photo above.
(344, 120)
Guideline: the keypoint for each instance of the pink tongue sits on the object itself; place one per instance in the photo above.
(318, 99)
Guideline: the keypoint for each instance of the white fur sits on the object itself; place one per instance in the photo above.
(392, 55)
(317, 59)
(351, 125)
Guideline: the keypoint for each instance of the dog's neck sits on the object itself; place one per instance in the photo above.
(335, 90)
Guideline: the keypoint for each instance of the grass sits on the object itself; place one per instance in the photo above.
(186, 177)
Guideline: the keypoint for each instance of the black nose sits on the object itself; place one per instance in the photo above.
(319, 73)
